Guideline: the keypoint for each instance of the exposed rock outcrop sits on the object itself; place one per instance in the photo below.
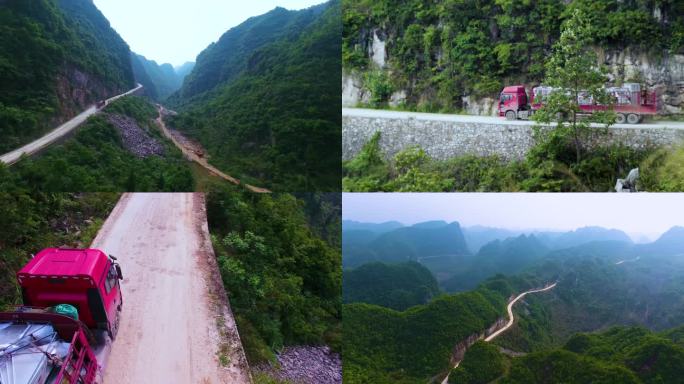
(134, 138)
(307, 365)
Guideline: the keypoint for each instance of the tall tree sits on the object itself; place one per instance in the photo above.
(574, 72)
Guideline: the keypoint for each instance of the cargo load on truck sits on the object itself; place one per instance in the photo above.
(630, 102)
(70, 314)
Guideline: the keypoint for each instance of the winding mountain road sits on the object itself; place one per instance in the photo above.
(176, 320)
(52, 136)
(380, 113)
(511, 319)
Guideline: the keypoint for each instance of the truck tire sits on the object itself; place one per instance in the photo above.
(510, 115)
(633, 118)
(620, 118)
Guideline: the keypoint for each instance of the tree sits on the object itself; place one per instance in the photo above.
(574, 73)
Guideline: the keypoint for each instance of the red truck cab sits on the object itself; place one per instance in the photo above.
(88, 279)
(513, 100)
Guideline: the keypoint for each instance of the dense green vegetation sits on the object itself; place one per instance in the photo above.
(396, 286)
(481, 364)
(265, 100)
(283, 278)
(549, 166)
(619, 355)
(48, 50)
(31, 222)
(381, 345)
(441, 51)
(94, 159)
(603, 280)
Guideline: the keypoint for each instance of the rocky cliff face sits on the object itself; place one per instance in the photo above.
(77, 90)
(461, 348)
(663, 73)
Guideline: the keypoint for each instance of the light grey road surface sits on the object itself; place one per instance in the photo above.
(379, 113)
(175, 314)
(52, 136)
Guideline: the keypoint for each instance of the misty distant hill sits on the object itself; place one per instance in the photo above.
(587, 235)
(160, 81)
(376, 242)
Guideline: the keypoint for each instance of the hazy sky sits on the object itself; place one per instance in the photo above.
(636, 213)
(176, 31)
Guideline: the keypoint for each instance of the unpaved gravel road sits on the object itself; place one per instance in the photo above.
(190, 154)
(379, 113)
(52, 136)
(173, 298)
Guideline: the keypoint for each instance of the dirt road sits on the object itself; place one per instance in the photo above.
(49, 138)
(189, 152)
(360, 112)
(173, 298)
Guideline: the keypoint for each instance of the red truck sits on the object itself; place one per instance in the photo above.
(40, 342)
(630, 102)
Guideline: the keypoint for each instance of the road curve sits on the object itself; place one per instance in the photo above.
(173, 298)
(511, 319)
(49, 138)
(379, 113)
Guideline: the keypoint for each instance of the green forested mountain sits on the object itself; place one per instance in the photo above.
(509, 256)
(618, 355)
(383, 346)
(396, 286)
(160, 81)
(600, 284)
(56, 58)
(265, 100)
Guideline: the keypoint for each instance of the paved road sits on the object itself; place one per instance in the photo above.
(42, 142)
(359, 112)
(190, 154)
(511, 319)
(172, 294)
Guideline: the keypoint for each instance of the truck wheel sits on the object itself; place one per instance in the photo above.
(620, 118)
(633, 118)
(510, 115)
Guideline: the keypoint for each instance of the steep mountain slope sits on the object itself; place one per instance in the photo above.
(264, 101)
(160, 81)
(56, 57)
(396, 286)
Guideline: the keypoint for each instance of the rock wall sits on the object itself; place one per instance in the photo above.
(444, 139)
(661, 72)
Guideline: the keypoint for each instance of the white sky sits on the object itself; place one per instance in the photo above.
(635, 213)
(176, 31)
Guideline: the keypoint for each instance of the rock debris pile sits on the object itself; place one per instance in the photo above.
(307, 365)
(134, 138)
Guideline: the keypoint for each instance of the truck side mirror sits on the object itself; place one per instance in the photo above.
(119, 275)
